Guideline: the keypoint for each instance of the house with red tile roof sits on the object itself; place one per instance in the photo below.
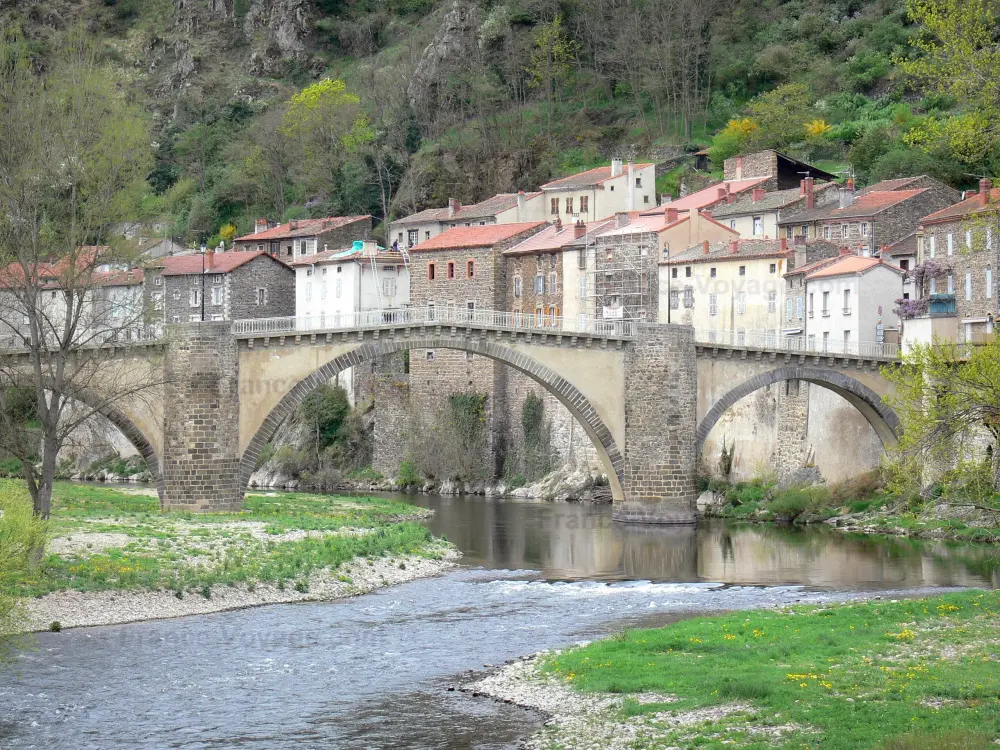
(300, 237)
(219, 286)
(503, 208)
(865, 222)
(600, 193)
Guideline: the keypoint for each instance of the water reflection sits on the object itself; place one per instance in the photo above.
(575, 541)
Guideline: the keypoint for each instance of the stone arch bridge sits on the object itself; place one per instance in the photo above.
(646, 394)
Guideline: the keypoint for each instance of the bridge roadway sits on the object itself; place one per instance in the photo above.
(647, 395)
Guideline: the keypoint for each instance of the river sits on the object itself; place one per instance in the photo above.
(375, 671)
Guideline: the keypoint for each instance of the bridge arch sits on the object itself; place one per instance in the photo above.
(578, 405)
(882, 419)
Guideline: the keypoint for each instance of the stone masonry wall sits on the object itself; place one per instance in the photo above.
(526, 268)
(278, 281)
(660, 421)
(201, 458)
(793, 426)
(391, 390)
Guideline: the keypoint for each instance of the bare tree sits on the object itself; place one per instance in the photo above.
(74, 156)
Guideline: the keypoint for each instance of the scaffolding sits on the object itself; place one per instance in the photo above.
(621, 274)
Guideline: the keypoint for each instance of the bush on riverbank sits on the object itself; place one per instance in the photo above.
(892, 674)
(21, 534)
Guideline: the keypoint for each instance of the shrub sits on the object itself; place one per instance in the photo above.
(790, 504)
(863, 487)
(408, 476)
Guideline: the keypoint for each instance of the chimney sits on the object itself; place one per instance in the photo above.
(784, 244)
(739, 167)
(621, 219)
(807, 190)
(616, 167)
(850, 184)
(799, 239)
(520, 205)
(453, 207)
(209, 257)
(758, 194)
(704, 247)
(558, 222)
(579, 229)
(260, 226)
(671, 214)
(845, 251)
(734, 246)
(985, 186)
(847, 194)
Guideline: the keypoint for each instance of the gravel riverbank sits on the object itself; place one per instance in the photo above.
(82, 609)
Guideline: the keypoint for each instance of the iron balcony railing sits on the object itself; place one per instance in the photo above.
(769, 340)
(434, 316)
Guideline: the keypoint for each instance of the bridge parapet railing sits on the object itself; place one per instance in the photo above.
(770, 340)
(433, 316)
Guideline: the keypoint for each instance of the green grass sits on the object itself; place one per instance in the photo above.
(895, 674)
(185, 551)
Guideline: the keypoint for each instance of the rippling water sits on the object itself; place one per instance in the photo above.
(373, 672)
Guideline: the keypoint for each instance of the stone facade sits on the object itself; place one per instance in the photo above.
(391, 391)
(243, 293)
(535, 284)
(627, 276)
(661, 383)
(793, 427)
(201, 460)
(282, 246)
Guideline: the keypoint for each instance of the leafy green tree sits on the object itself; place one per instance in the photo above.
(780, 116)
(324, 412)
(551, 58)
(21, 535)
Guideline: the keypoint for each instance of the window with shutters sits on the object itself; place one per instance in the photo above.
(470, 269)
(389, 287)
(554, 206)
(772, 301)
(758, 225)
(431, 271)
(582, 287)
(581, 260)
(451, 269)
(553, 283)
(798, 307)
(539, 284)
(517, 286)
(216, 295)
(194, 298)
(569, 205)
(741, 303)
(788, 309)
(584, 204)
(262, 295)
(688, 297)
(713, 304)
(412, 237)
(675, 299)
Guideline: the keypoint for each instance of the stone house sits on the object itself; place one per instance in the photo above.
(301, 237)
(961, 243)
(755, 214)
(503, 208)
(600, 193)
(219, 286)
(463, 269)
(866, 222)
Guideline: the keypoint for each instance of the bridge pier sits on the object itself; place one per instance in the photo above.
(660, 391)
(201, 460)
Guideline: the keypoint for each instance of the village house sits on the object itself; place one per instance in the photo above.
(301, 237)
(158, 247)
(755, 214)
(600, 193)
(851, 302)
(867, 221)
(219, 286)
(504, 208)
(730, 290)
(958, 247)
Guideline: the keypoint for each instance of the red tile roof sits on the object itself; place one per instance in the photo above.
(710, 195)
(343, 254)
(590, 178)
(847, 265)
(968, 207)
(485, 236)
(302, 228)
(864, 205)
(489, 207)
(186, 265)
(554, 238)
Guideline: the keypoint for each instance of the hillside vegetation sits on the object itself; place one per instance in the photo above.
(289, 108)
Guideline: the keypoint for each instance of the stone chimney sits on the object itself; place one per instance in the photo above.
(799, 239)
(616, 167)
(808, 185)
(293, 225)
(704, 247)
(671, 215)
(260, 226)
(734, 246)
(558, 223)
(847, 194)
(784, 244)
(621, 219)
(209, 257)
(985, 186)
(739, 167)
(579, 229)
(758, 194)
(453, 207)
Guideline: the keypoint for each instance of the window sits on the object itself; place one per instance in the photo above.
(412, 237)
(427, 234)
(951, 243)
(262, 295)
(569, 205)
(581, 260)
(989, 283)
(216, 295)
(309, 272)
(788, 309)
(789, 232)
(389, 287)
(713, 304)
(687, 272)
(904, 263)
(431, 271)
(430, 355)
(743, 270)
(584, 204)
(864, 228)
(431, 311)
(176, 295)
(645, 199)
(517, 286)
(812, 305)
(951, 284)
(638, 182)
(933, 286)
(174, 319)
(933, 248)
(158, 280)
(847, 342)
(451, 269)
(826, 341)
(968, 284)
(470, 269)
(582, 284)
(772, 301)
(217, 317)
(340, 269)
(538, 316)
(847, 302)
(539, 284)
(688, 296)
(711, 272)
(741, 336)
(826, 232)
(673, 273)
(758, 225)
(843, 230)
(732, 223)
(553, 314)
(675, 299)
(826, 304)
(773, 268)
(804, 230)
(553, 283)
(798, 307)
(554, 206)
(741, 303)
(194, 318)
(195, 298)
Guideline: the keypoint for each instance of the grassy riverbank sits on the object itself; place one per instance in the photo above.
(286, 547)
(898, 675)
